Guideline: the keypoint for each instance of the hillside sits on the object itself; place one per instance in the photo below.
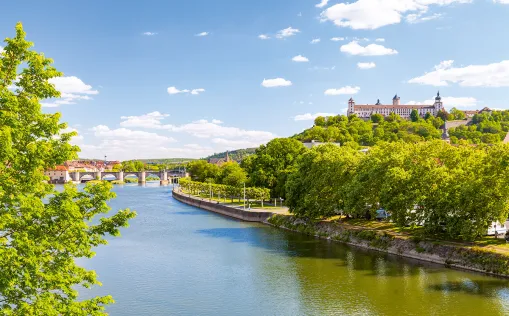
(344, 129)
(236, 155)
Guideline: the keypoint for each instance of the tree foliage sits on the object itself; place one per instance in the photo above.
(42, 231)
(272, 163)
(343, 130)
(452, 190)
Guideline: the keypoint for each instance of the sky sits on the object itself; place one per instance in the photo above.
(167, 79)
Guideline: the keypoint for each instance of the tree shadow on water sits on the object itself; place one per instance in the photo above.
(488, 287)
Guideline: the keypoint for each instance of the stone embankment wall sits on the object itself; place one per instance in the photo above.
(245, 215)
(470, 258)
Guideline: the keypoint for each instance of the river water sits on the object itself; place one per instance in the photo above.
(179, 260)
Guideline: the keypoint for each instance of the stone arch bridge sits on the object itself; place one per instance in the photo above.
(165, 176)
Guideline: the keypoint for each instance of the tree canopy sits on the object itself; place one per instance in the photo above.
(43, 231)
(270, 166)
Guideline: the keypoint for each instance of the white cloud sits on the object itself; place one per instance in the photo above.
(501, 1)
(129, 143)
(277, 82)
(103, 131)
(366, 65)
(149, 120)
(300, 59)
(263, 36)
(491, 75)
(373, 14)
(450, 102)
(75, 140)
(353, 48)
(149, 33)
(444, 64)
(287, 32)
(197, 91)
(310, 117)
(380, 40)
(420, 17)
(174, 90)
(314, 68)
(322, 4)
(337, 39)
(343, 90)
(199, 128)
(71, 90)
(315, 41)
(202, 34)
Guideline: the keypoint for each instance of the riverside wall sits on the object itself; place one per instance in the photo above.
(212, 206)
(464, 257)
(453, 256)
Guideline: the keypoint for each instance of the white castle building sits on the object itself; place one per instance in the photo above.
(366, 110)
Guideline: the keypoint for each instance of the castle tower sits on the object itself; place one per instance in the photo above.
(395, 100)
(439, 106)
(227, 157)
(351, 105)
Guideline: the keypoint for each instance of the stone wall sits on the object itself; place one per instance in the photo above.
(245, 215)
(462, 257)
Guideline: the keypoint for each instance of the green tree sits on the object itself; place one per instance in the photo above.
(203, 171)
(272, 164)
(377, 118)
(443, 115)
(43, 231)
(232, 174)
(320, 121)
(414, 115)
(457, 114)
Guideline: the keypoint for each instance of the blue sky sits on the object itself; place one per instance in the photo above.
(120, 62)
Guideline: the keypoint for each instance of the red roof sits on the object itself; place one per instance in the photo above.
(374, 106)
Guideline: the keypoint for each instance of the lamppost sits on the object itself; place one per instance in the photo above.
(244, 196)
(210, 190)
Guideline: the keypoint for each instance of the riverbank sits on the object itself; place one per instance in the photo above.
(458, 256)
(472, 258)
(216, 207)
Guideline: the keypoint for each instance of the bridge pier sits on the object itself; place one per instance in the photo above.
(163, 175)
(120, 176)
(141, 177)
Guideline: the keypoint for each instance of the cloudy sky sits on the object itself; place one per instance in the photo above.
(190, 78)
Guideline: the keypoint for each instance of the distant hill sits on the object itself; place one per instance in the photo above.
(236, 155)
(163, 161)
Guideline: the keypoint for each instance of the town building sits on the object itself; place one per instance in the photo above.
(59, 174)
(220, 161)
(315, 143)
(366, 110)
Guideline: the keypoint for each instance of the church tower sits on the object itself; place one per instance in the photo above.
(351, 105)
(439, 106)
(395, 100)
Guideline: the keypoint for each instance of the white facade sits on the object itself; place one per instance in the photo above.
(314, 143)
(58, 176)
(365, 111)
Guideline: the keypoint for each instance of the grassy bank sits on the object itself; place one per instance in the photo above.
(484, 256)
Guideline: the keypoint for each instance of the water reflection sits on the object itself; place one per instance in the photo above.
(179, 260)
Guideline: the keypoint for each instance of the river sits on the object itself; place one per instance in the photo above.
(178, 260)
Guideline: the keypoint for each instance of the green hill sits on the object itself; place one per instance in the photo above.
(236, 155)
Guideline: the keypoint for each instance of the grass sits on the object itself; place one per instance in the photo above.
(236, 203)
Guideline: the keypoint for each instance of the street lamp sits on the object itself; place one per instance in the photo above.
(244, 196)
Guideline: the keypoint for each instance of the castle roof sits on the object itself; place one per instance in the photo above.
(395, 97)
(391, 106)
